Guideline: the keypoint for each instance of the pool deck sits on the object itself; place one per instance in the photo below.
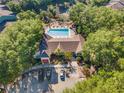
(71, 43)
(57, 25)
(62, 36)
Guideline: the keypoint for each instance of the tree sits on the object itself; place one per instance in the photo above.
(98, 2)
(121, 63)
(27, 15)
(24, 5)
(45, 16)
(99, 84)
(30, 5)
(52, 10)
(17, 47)
(119, 27)
(35, 5)
(89, 19)
(104, 48)
(68, 55)
(59, 54)
(15, 7)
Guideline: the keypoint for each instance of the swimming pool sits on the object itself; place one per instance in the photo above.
(58, 32)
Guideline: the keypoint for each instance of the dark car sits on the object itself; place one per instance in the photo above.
(62, 75)
(40, 75)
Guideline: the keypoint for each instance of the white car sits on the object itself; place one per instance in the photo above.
(62, 75)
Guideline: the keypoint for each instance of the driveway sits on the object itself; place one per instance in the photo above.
(69, 83)
(31, 84)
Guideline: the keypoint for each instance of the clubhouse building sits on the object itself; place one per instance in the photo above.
(59, 36)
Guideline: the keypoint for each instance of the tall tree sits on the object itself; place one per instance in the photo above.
(27, 15)
(17, 47)
(15, 7)
(100, 84)
(90, 19)
(98, 2)
(104, 48)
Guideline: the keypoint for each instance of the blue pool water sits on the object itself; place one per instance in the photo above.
(59, 32)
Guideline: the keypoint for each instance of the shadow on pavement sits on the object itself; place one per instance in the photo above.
(54, 77)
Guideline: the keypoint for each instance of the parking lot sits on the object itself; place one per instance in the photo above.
(47, 80)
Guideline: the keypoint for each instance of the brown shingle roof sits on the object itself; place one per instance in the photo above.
(116, 5)
(73, 44)
(64, 39)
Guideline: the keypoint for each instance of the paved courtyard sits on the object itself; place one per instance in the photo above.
(35, 83)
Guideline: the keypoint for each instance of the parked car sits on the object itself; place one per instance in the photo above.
(40, 75)
(62, 75)
(48, 74)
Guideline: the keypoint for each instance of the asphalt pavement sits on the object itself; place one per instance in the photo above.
(30, 83)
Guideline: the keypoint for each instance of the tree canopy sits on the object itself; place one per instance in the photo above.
(102, 27)
(17, 47)
(98, 2)
(35, 5)
(114, 83)
(14, 7)
(89, 19)
(104, 48)
(27, 15)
